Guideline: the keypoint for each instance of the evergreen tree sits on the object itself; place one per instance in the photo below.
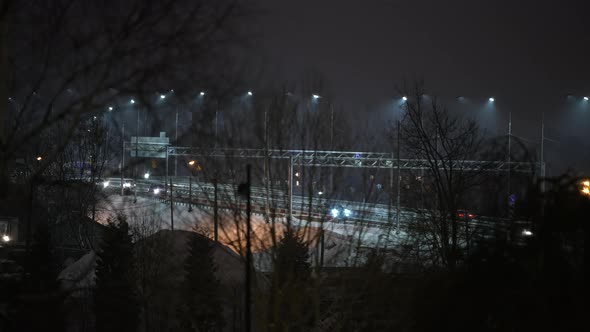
(200, 308)
(115, 298)
(290, 306)
(40, 296)
(292, 263)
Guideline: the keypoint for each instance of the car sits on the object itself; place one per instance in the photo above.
(128, 187)
(338, 212)
(157, 189)
(464, 215)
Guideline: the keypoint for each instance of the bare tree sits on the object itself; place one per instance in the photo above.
(445, 143)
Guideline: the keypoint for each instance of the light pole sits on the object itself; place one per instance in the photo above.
(316, 98)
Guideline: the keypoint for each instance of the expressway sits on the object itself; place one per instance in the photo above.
(275, 203)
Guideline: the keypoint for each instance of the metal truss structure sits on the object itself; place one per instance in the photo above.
(336, 158)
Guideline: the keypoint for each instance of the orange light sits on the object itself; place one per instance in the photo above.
(39, 158)
(191, 163)
(586, 183)
(586, 191)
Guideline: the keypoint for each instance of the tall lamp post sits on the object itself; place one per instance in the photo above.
(316, 98)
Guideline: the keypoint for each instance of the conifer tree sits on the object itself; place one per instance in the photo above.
(115, 298)
(290, 306)
(200, 309)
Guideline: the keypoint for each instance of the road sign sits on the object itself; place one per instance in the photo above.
(148, 147)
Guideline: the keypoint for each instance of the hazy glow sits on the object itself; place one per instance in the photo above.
(250, 93)
(492, 99)
(202, 93)
(586, 98)
(191, 163)
(146, 176)
(110, 108)
(405, 98)
(5, 238)
(133, 101)
(39, 158)
(162, 96)
(105, 184)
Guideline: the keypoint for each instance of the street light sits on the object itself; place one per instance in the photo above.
(191, 163)
(586, 98)
(316, 96)
(491, 99)
(250, 93)
(202, 93)
(162, 96)
(146, 175)
(404, 98)
(110, 108)
(132, 101)
(39, 158)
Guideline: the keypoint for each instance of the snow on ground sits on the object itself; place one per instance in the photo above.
(146, 216)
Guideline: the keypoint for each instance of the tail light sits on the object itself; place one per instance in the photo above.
(461, 215)
(471, 216)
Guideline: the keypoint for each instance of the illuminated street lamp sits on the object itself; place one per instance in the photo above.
(250, 93)
(586, 187)
(191, 163)
(146, 175)
(162, 96)
(316, 96)
(132, 101)
(586, 98)
(404, 98)
(39, 158)
(202, 93)
(491, 99)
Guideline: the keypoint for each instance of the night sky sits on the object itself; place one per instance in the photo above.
(529, 55)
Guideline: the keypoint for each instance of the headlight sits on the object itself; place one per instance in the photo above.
(5, 238)
(335, 213)
(127, 185)
(347, 212)
(527, 232)
(105, 184)
(156, 191)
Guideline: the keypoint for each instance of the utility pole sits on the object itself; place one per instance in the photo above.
(509, 147)
(290, 216)
(215, 213)
(176, 143)
(166, 175)
(190, 193)
(122, 163)
(331, 146)
(399, 176)
(136, 144)
(542, 152)
(216, 121)
(171, 207)
(245, 188)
